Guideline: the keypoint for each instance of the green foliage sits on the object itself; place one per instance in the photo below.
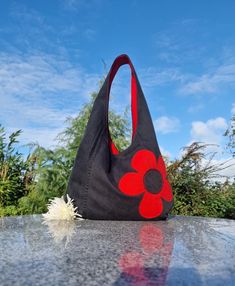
(119, 130)
(52, 172)
(9, 210)
(15, 171)
(34, 203)
(195, 192)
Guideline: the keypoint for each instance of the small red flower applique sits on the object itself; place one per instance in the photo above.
(150, 180)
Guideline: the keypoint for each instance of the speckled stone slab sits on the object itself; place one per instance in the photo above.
(180, 251)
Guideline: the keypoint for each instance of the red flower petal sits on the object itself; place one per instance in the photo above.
(151, 205)
(161, 167)
(131, 184)
(144, 160)
(166, 192)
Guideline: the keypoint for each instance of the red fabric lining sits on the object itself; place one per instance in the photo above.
(119, 61)
(112, 146)
(134, 104)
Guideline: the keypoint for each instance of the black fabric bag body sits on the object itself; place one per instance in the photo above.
(127, 185)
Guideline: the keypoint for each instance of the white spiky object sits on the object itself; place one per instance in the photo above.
(58, 209)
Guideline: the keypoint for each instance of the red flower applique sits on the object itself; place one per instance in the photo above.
(149, 179)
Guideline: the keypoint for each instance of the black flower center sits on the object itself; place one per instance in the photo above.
(153, 181)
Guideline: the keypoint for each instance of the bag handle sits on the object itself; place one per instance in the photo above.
(118, 62)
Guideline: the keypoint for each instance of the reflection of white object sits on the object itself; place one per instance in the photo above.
(58, 209)
(62, 231)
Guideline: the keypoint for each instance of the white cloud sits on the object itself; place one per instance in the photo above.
(175, 49)
(165, 152)
(174, 44)
(210, 132)
(151, 77)
(166, 124)
(212, 81)
(46, 137)
(39, 74)
(216, 157)
(227, 168)
(39, 91)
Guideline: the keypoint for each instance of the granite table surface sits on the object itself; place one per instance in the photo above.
(179, 251)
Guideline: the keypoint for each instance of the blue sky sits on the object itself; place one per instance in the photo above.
(52, 54)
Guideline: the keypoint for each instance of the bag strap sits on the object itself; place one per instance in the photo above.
(118, 62)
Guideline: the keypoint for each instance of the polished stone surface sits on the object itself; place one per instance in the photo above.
(180, 251)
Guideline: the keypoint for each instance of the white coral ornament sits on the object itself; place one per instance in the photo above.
(58, 209)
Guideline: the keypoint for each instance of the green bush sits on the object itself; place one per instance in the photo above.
(15, 171)
(9, 211)
(195, 192)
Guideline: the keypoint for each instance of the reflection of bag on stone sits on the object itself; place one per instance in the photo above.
(152, 243)
(125, 185)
